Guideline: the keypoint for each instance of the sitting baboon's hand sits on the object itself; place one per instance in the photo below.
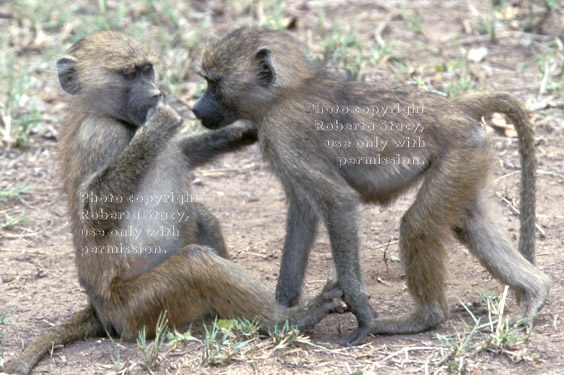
(162, 119)
(328, 301)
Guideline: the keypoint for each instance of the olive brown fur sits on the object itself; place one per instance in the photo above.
(119, 145)
(330, 160)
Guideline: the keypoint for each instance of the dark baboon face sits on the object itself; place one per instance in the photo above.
(246, 72)
(111, 75)
(211, 109)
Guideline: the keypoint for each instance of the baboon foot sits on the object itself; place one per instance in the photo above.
(530, 304)
(422, 319)
(365, 318)
(357, 336)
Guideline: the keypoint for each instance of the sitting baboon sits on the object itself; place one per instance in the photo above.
(142, 245)
(334, 143)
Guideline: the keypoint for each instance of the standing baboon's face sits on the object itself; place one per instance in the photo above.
(111, 76)
(239, 87)
(211, 109)
(247, 71)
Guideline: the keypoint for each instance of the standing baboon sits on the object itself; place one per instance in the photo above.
(334, 143)
(143, 246)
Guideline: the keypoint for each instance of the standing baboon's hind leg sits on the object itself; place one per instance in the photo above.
(424, 231)
(503, 260)
(423, 252)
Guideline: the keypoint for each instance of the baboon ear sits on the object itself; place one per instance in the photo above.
(266, 74)
(67, 71)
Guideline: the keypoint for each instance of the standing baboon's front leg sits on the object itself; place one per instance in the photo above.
(301, 228)
(343, 234)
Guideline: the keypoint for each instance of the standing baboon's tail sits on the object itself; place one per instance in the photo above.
(82, 325)
(481, 104)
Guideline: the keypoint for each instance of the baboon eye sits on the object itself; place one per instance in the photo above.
(148, 70)
(129, 75)
(213, 85)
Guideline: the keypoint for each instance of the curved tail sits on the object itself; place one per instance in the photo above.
(481, 104)
(83, 324)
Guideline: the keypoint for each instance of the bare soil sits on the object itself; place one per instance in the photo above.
(39, 288)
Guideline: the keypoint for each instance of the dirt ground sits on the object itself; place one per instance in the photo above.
(39, 288)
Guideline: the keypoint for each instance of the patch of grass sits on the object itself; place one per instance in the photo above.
(221, 343)
(176, 338)
(116, 358)
(495, 335)
(342, 48)
(379, 54)
(273, 15)
(550, 62)
(229, 340)
(23, 125)
(490, 23)
(539, 12)
(460, 80)
(289, 335)
(14, 192)
(260, 13)
(502, 337)
(177, 60)
(168, 14)
(7, 193)
(150, 351)
(459, 346)
(17, 82)
(5, 319)
(43, 15)
(13, 221)
(461, 84)
(413, 20)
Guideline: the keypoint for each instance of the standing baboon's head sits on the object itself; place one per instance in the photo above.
(110, 74)
(246, 71)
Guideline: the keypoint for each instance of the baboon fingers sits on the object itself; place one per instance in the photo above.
(335, 292)
(151, 112)
(331, 289)
(342, 309)
(314, 312)
(164, 121)
(335, 305)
